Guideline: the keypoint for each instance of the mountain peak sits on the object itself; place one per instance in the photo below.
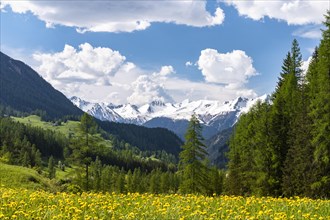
(208, 111)
(240, 102)
(157, 103)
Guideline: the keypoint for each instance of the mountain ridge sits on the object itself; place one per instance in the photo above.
(213, 115)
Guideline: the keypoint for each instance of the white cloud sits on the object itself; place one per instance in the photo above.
(89, 65)
(165, 71)
(118, 16)
(146, 89)
(189, 63)
(102, 75)
(231, 69)
(312, 32)
(295, 12)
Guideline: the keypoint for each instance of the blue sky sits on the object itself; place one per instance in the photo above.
(140, 51)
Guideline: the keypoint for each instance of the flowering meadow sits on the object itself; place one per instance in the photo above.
(27, 204)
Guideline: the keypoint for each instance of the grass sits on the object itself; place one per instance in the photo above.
(16, 204)
(69, 128)
(22, 177)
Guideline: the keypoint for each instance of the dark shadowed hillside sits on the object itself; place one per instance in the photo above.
(24, 90)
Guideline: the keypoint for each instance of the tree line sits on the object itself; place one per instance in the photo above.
(282, 147)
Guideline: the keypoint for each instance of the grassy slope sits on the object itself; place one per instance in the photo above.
(70, 127)
(22, 177)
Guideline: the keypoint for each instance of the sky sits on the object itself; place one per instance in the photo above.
(138, 51)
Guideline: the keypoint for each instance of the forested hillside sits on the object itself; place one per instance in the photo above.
(283, 147)
(22, 89)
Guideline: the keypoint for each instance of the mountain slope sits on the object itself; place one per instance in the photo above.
(218, 146)
(24, 90)
(146, 139)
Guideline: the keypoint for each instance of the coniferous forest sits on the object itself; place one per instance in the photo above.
(282, 148)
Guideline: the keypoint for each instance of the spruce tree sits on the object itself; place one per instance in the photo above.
(251, 156)
(51, 167)
(87, 126)
(194, 171)
(284, 112)
(319, 111)
(297, 161)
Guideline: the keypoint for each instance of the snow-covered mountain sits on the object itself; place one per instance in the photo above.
(213, 115)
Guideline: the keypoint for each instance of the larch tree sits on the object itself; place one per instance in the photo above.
(51, 167)
(87, 126)
(194, 171)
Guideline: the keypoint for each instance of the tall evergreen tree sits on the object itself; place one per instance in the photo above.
(319, 79)
(284, 111)
(297, 163)
(51, 167)
(251, 156)
(87, 126)
(194, 171)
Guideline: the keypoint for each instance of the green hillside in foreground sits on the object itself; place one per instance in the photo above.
(21, 177)
(13, 176)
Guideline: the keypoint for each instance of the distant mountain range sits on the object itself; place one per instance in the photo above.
(213, 115)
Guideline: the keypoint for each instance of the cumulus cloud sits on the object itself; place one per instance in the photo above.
(294, 12)
(88, 64)
(165, 71)
(101, 74)
(231, 69)
(89, 72)
(146, 89)
(118, 16)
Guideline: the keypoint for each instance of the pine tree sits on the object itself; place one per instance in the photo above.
(51, 168)
(37, 159)
(96, 169)
(194, 171)
(319, 111)
(87, 126)
(240, 155)
(284, 112)
(297, 161)
(129, 182)
(251, 156)
(106, 180)
(216, 181)
(154, 186)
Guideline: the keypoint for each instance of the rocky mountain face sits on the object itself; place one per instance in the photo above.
(213, 115)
